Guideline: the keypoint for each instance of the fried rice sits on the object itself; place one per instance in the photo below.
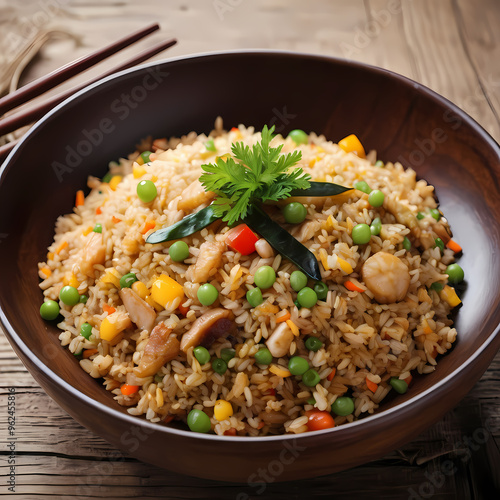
(366, 340)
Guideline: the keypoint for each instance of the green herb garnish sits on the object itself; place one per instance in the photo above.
(260, 174)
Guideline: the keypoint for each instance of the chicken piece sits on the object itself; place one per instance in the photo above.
(161, 348)
(93, 252)
(139, 311)
(210, 257)
(403, 213)
(387, 277)
(280, 340)
(202, 326)
(194, 196)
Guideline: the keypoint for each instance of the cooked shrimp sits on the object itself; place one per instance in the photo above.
(210, 257)
(387, 277)
(93, 252)
(139, 311)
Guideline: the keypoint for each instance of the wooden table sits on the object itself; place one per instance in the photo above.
(452, 46)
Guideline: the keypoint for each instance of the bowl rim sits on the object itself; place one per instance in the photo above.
(368, 421)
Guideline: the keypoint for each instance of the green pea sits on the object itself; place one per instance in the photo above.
(145, 156)
(69, 295)
(86, 330)
(455, 273)
(263, 356)
(406, 244)
(210, 146)
(307, 297)
(299, 136)
(264, 277)
(436, 286)
(97, 228)
(298, 365)
(254, 297)
(146, 191)
(362, 186)
(376, 198)
(420, 215)
(361, 234)
(379, 164)
(343, 406)
(227, 354)
(398, 385)
(294, 212)
(311, 378)
(49, 310)
(219, 366)
(201, 354)
(313, 344)
(83, 299)
(298, 280)
(107, 177)
(76, 354)
(179, 251)
(311, 401)
(198, 421)
(127, 280)
(297, 304)
(321, 290)
(207, 294)
(158, 378)
(435, 213)
(438, 242)
(376, 226)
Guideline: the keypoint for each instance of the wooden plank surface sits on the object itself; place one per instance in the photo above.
(452, 46)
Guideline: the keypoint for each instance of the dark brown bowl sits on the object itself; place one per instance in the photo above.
(399, 118)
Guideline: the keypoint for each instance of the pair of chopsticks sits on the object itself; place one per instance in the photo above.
(41, 85)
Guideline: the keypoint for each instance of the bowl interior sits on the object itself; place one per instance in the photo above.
(401, 120)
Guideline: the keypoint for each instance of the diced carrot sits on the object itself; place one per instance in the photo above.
(331, 374)
(371, 385)
(183, 310)
(271, 392)
(148, 226)
(46, 271)
(319, 420)
(61, 247)
(293, 327)
(260, 425)
(80, 198)
(108, 309)
(453, 245)
(128, 390)
(352, 287)
(230, 432)
(408, 379)
(235, 129)
(284, 316)
(98, 211)
(168, 419)
(89, 352)
(242, 239)
(116, 220)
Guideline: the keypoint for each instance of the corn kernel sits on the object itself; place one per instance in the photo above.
(154, 178)
(115, 180)
(140, 160)
(449, 295)
(88, 230)
(279, 370)
(50, 256)
(114, 324)
(324, 259)
(293, 327)
(112, 276)
(138, 171)
(140, 289)
(70, 279)
(345, 266)
(159, 397)
(351, 144)
(222, 410)
(152, 303)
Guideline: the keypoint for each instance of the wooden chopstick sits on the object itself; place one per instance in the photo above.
(33, 113)
(71, 69)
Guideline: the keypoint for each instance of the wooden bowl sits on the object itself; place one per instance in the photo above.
(401, 119)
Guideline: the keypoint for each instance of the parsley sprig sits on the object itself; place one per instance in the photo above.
(256, 174)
